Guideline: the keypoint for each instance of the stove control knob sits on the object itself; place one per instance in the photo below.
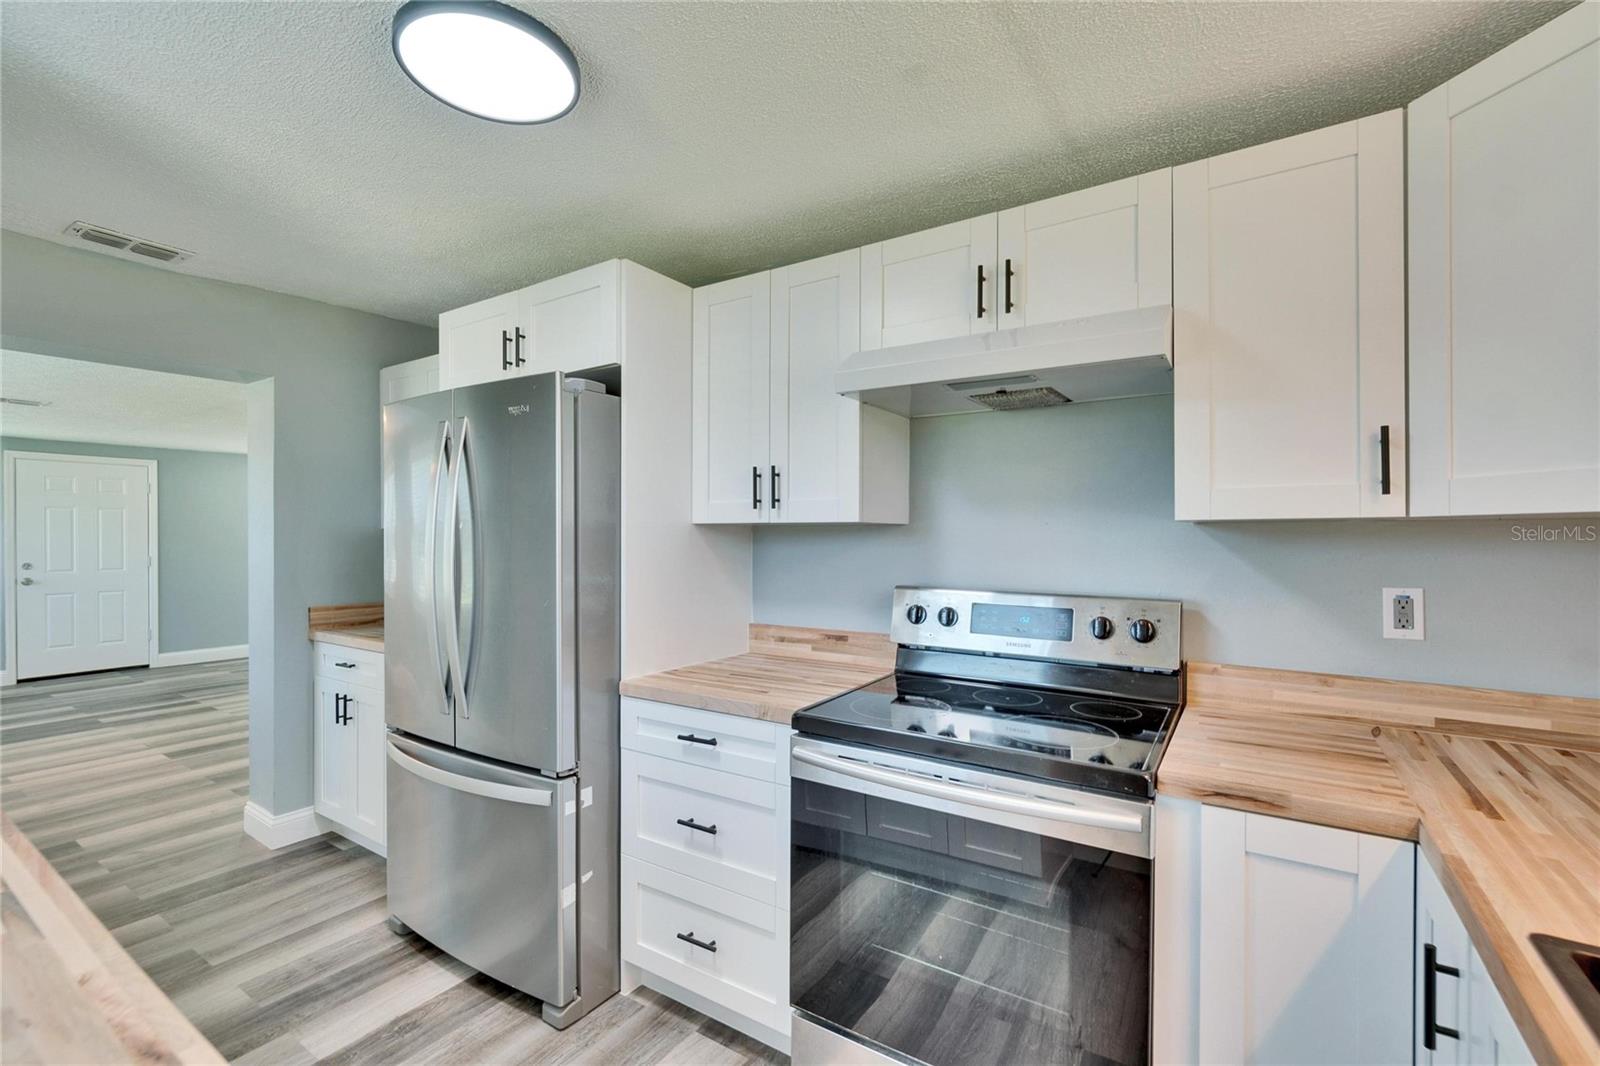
(1142, 630)
(1100, 628)
(916, 614)
(948, 616)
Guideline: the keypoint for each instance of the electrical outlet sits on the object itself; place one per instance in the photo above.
(1402, 614)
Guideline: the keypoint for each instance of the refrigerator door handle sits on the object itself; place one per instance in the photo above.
(440, 466)
(452, 642)
(496, 790)
(469, 653)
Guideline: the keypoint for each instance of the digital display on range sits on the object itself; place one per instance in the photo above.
(1032, 623)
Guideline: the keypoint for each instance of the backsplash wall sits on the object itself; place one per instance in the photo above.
(1080, 500)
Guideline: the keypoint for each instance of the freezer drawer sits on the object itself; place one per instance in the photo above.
(482, 864)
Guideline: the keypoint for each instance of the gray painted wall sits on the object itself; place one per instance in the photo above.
(313, 442)
(1080, 500)
(201, 510)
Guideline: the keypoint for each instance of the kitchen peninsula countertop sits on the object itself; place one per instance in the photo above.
(787, 669)
(1499, 789)
(72, 993)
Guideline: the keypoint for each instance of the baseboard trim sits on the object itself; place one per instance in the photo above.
(280, 830)
(201, 655)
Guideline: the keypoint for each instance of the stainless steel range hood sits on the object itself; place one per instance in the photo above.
(1126, 353)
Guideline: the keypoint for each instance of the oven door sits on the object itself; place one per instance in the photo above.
(947, 915)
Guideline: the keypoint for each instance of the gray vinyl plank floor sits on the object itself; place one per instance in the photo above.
(132, 783)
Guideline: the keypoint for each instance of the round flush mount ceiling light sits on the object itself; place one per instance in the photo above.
(486, 59)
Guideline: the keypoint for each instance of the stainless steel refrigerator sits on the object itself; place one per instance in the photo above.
(500, 603)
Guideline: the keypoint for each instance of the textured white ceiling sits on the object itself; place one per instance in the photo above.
(281, 143)
(100, 404)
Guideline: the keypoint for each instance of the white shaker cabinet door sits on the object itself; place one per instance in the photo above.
(930, 285)
(732, 363)
(570, 323)
(477, 343)
(368, 768)
(335, 741)
(1443, 951)
(1289, 327)
(1090, 252)
(1504, 219)
(1304, 942)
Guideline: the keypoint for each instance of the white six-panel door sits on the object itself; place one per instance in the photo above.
(1289, 328)
(731, 368)
(82, 564)
(1504, 183)
(1085, 253)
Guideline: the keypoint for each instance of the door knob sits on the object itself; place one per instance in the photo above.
(26, 581)
(27, 566)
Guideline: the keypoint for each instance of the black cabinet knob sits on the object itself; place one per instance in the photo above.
(1100, 628)
(948, 616)
(916, 614)
(1142, 630)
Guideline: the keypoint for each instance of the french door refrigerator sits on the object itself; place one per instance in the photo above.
(500, 600)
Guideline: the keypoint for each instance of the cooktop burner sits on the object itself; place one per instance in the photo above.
(1060, 735)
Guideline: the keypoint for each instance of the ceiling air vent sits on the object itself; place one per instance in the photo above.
(110, 238)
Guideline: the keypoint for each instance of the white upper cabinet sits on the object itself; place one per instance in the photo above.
(1289, 328)
(477, 342)
(1086, 253)
(732, 363)
(833, 459)
(1504, 187)
(930, 285)
(417, 377)
(568, 323)
(773, 439)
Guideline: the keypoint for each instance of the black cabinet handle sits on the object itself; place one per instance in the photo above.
(345, 666)
(520, 337)
(980, 290)
(690, 823)
(505, 354)
(341, 709)
(1383, 451)
(1009, 275)
(710, 742)
(688, 938)
(775, 476)
(755, 488)
(1431, 969)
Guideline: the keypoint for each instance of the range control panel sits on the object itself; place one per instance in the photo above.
(1142, 634)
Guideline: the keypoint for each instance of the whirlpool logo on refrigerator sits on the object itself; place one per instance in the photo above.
(517, 409)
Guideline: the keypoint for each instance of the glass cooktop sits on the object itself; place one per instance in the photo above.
(1097, 741)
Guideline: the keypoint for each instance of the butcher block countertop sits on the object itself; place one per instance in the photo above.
(72, 994)
(1501, 789)
(349, 625)
(787, 669)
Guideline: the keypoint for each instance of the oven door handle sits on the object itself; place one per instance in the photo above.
(1037, 808)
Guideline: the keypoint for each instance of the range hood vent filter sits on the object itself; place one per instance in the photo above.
(122, 242)
(1020, 399)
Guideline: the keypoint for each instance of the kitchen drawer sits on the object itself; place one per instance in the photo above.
(350, 665)
(748, 851)
(748, 972)
(746, 746)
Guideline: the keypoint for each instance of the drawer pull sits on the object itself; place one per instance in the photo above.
(689, 938)
(345, 666)
(692, 739)
(690, 823)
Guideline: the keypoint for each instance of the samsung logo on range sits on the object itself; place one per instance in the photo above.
(517, 409)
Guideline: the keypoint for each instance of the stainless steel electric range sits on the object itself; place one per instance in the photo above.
(971, 837)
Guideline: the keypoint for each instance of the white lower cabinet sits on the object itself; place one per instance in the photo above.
(1279, 941)
(349, 791)
(705, 863)
(1460, 1018)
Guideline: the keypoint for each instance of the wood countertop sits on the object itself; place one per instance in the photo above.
(366, 638)
(349, 625)
(1501, 789)
(787, 669)
(71, 993)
